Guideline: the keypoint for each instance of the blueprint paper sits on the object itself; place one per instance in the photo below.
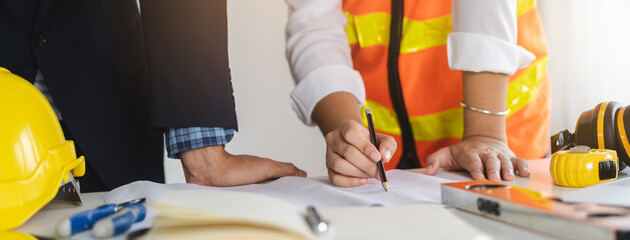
(405, 188)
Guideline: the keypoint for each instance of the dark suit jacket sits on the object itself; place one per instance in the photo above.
(119, 79)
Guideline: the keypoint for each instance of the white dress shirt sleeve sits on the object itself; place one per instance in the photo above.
(484, 37)
(319, 55)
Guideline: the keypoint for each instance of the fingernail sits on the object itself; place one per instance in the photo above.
(387, 155)
(363, 181)
(526, 169)
(375, 156)
(511, 172)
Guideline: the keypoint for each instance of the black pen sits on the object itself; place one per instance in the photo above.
(379, 164)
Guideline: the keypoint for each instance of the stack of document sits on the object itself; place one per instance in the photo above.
(191, 214)
(208, 214)
(276, 209)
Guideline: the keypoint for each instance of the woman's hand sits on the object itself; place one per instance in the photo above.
(482, 156)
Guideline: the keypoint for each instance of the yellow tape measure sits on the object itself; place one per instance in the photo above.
(581, 166)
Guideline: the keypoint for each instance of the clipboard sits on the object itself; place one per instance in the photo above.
(535, 211)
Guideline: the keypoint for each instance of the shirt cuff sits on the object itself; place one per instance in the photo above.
(483, 53)
(182, 139)
(322, 82)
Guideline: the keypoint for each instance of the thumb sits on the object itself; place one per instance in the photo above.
(387, 146)
(282, 169)
(435, 159)
(301, 173)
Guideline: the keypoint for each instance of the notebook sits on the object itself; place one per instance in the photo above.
(208, 214)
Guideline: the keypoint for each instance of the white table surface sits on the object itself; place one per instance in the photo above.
(43, 223)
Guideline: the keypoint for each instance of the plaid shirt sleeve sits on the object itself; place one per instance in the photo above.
(182, 139)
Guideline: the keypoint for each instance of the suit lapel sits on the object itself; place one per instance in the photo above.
(44, 5)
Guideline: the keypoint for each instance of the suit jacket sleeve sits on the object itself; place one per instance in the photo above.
(187, 55)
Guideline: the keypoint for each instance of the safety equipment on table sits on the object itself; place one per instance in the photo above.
(16, 235)
(105, 213)
(35, 157)
(606, 126)
(582, 166)
(400, 50)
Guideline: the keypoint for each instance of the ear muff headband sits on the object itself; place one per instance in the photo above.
(622, 130)
(604, 126)
(600, 125)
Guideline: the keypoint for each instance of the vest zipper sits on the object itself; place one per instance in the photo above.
(409, 158)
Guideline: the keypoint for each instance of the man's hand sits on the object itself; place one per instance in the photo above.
(213, 166)
(350, 156)
(479, 155)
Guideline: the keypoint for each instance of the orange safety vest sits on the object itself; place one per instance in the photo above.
(429, 90)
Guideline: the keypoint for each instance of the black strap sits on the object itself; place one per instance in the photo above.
(409, 157)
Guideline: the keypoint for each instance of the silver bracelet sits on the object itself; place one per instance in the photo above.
(484, 111)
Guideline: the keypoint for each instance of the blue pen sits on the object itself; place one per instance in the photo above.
(85, 220)
(120, 222)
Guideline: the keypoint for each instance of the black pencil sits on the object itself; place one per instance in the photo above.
(379, 164)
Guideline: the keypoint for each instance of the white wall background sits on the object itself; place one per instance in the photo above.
(589, 44)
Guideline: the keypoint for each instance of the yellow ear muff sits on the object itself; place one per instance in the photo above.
(606, 126)
(596, 128)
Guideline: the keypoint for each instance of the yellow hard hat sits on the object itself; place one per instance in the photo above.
(16, 235)
(35, 157)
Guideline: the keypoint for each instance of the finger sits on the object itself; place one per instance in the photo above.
(387, 146)
(336, 149)
(435, 160)
(354, 134)
(355, 157)
(342, 166)
(474, 166)
(493, 167)
(521, 166)
(345, 181)
(507, 170)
